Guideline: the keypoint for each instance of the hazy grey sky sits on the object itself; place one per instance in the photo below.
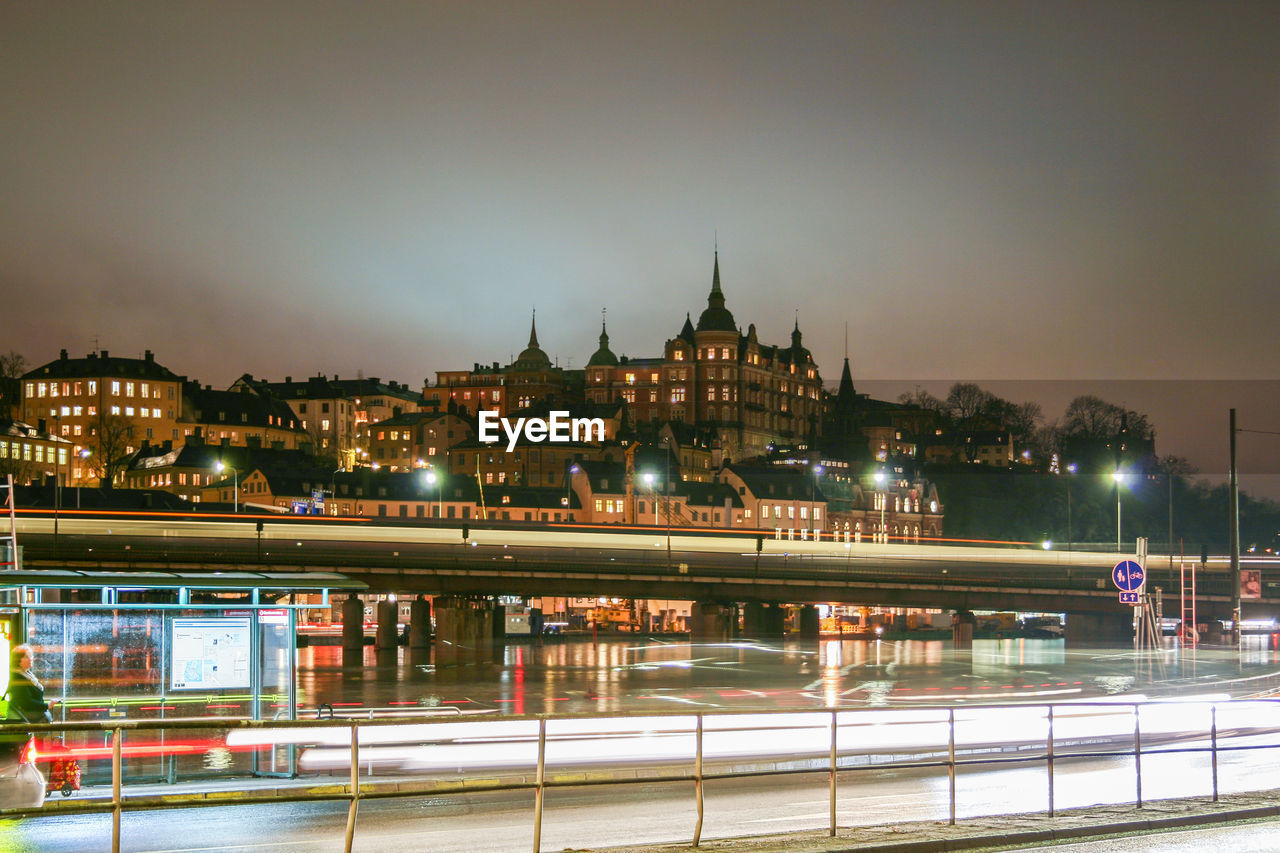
(1059, 190)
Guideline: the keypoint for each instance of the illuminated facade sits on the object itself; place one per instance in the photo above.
(712, 376)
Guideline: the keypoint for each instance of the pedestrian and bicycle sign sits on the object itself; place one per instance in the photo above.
(1128, 576)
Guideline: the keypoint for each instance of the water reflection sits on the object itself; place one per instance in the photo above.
(620, 674)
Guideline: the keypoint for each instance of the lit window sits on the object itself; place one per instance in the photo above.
(93, 386)
(146, 390)
(42, 389)
(599, 505)
(764, 512)
(724, 352)
(128, 389)
(678, 355)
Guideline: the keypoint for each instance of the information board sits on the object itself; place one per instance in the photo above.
(210, 653)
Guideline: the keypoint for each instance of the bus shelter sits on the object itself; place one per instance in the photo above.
(156, 645)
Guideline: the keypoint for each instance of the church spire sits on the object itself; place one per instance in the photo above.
(533, 330)
(716, 318)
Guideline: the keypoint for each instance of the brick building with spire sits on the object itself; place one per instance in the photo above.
(714, 377)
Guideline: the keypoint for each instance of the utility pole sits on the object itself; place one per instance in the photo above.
(1234, 524)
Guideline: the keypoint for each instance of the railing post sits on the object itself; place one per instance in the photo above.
(833, 774)
(697, 780)
(1050, 759)
(951, 761)
(540, 779)
(1213, 747)
(1137, 749)
(355, 787)
(116, 805)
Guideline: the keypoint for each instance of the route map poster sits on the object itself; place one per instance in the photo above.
(210, 653)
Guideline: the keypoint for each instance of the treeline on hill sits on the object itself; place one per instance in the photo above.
(1061, 486)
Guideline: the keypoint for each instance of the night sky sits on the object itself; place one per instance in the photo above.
(981, 191)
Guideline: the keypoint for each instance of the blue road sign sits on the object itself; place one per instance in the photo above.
(1128, 575)
(1130, 598)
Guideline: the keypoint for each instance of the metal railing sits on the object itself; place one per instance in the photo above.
(954, 753)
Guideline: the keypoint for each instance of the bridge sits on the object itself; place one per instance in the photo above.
(709, 567)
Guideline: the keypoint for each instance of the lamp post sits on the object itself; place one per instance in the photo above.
(813, 506)
(435, 480)
(1071, 469)
(84, 460)
(666, 489)
(220, 467)
(880, 480)
(1118, 476)
(653, 494)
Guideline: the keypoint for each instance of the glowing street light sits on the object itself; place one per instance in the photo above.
(220, 467)
(653, 494)
(1119, 477)
(881, 477)
(813, 508)
(433, 479)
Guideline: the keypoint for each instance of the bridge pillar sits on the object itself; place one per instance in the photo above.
(388, 617)
(810, 627)
(709, 622)
(753, 620)
(499, 626)
(1082, 629)
(464, 629)
(775, 621)
(420, 623)
(352, 631)
(962, 622)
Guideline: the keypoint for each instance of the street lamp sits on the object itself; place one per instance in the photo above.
(84, 461)
(666, 490)
(1119, 477)
(813, 509)
(1071, 469)
(432, 479)
(880, 480)
(220, 467)
(653, 494)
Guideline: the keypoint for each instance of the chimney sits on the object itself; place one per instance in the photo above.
(167, 445)
(105, 354)
(62, 356)
(288, 380)
(148, 356)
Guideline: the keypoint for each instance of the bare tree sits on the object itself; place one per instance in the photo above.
(922, 399)
(109, 439)
(968, 404)
(12, 366)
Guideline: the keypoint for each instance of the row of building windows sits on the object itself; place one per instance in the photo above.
(28, 452)
(791, 512)
(119, 388)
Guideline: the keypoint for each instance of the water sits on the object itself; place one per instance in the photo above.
(633, 674)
